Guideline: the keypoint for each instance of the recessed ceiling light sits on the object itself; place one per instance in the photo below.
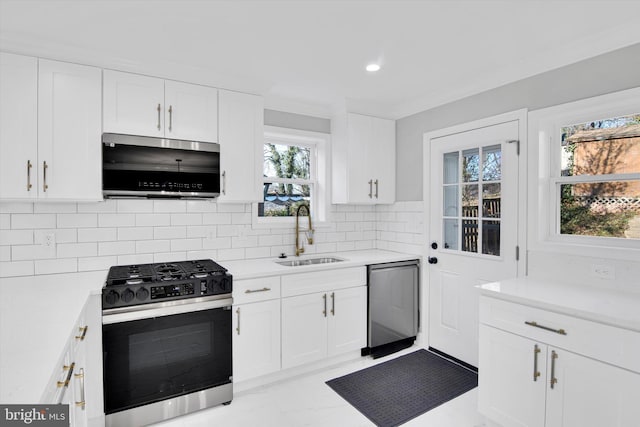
(373, 68)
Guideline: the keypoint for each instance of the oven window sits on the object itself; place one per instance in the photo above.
(154, 359)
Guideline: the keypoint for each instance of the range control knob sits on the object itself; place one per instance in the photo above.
(142, 294)
(127, 295)
(226, 284)
(111, 297)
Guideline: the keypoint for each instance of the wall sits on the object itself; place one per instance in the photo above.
(611, 72)
(296, 121)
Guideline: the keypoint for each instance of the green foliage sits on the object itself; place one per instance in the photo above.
(578, 219)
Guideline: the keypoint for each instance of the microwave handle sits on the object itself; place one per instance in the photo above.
(224, 182)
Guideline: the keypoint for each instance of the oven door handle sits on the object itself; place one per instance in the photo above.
(168, 310)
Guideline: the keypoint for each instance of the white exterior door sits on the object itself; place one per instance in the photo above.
(473, 225)
(347, 317)
(18, 126)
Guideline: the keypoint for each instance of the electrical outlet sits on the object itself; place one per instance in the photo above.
(603, 271)
(49, 240)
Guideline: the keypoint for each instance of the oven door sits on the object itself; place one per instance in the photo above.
(164, 352)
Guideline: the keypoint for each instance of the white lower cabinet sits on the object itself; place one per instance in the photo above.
(256, 339)
(323, 324)
(528, 381)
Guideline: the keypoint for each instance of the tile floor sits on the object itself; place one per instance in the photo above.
(307, 401)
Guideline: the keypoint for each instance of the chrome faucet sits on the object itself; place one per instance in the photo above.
(309, 232)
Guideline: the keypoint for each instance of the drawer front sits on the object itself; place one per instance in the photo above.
(617, 346)
(321, 281)
(253, 290)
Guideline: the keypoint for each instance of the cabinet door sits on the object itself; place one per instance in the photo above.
(347, 320)
(133, 104)
(383, 162)
(241, 131)
(589, 393)
(360, 155)
(69, 131)
(508, 393)
(18, 126)
(256, 339)
(304, 329)
(191, 112)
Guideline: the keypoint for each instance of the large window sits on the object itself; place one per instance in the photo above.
(293, 173)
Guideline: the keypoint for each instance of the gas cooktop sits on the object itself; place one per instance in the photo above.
(129, 285)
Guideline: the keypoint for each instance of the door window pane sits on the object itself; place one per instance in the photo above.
(470, 235)
(491, 238)
(471, 165)
(470, 200)
(450, 200)
(450, 231)
(491, 200)
(491, 163)
(450, 168)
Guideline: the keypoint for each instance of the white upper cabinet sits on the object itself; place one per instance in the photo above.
(149, 106)
(363, 159)
(18, 126)
(69, 131)
(241, 133)
(50, 128)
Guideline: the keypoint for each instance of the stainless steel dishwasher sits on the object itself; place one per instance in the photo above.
(393, 315)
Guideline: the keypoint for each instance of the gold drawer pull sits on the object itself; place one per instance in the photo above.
(251, 291)
(65, 383)
(83, 333)
(546, 328)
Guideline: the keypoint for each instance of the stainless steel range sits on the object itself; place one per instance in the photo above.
(166, 340)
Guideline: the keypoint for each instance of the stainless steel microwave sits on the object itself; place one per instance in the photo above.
(140, 166)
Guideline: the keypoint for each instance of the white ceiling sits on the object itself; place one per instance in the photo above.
(309, 56)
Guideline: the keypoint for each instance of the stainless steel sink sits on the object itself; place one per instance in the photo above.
(309, 261)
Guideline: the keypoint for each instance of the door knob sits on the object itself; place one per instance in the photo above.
(434, 245)
(432, 260)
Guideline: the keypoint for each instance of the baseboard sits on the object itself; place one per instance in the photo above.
(453, 359)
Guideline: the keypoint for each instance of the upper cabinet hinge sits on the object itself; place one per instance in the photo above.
(517, 253)
(517, 142)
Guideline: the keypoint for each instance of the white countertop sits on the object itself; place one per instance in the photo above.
(600, 304)
(252, 268)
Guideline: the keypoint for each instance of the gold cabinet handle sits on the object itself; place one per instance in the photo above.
(224, 182)
(333, 303)
(376, 184)
(65, 383)
(238, 327)
(370, 188)
(29, 166)
(536, 373)
(83, 333)
(80, 377)
(546, 328)
(554, 380)
(159, 110)
(44, 176)
(170, 117)
(251, 291)
(325, 305)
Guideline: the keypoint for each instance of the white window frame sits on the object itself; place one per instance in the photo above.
(319, 144)
(545, 134)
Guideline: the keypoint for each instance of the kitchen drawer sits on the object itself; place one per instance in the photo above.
(321, 281)
(610, 344)
(253, 290)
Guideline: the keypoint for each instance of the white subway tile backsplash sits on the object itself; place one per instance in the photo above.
(30, 221)
(5, 253)
(106, 206)
(186, 245)
(96, 263)
(186, 219)
(169, 232)
(61, 235)
(270, 240)
(170, 257)
(116, 220)
(5, 221)
(231, 208)
(153, 219)
(135, 259)
(77, 220)
(277, 250)
(169, 206)
(134, 206)
(152, 246)
(203, 254)
(354, 216)
(116, 248)
(216, 218)
(201, 206)
(97, 234)
(55, 208)
(264, 252)
(71, 250)
(345, 246)
(16, 207)
(16, 268)
(217, 243)
(244, 241)
(346, 226)
(230, 254)
(228, 230)
(241, 218)
(60, 265)
(204, 231)
(135, 233)
(16, 237)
